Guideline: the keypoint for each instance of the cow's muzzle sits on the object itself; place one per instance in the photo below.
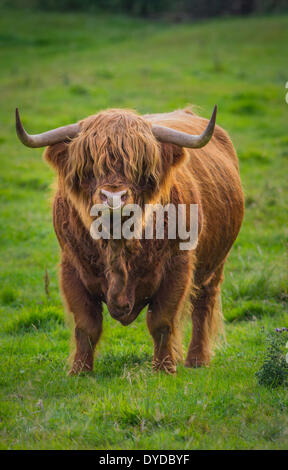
(114, 199)
(120, 309)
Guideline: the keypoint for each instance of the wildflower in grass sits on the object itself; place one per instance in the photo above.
(274, 371)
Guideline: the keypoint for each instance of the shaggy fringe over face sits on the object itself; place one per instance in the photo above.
(116, 142)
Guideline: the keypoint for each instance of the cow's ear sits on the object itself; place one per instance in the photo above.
(179, 155)
(57, 155)
(172, 155)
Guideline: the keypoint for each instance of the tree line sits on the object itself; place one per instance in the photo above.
(170, 9)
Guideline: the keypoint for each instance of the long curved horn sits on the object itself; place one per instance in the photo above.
(165, 134)
(46, 138)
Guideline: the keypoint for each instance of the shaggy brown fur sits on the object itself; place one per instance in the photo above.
(114, 150)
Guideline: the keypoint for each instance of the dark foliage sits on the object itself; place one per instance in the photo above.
(177, 10)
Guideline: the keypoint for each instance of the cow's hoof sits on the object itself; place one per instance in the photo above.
(196, 362)
(80, 368)
(166, 365)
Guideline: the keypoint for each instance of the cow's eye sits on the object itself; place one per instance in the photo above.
(103, 197)
(87, 180)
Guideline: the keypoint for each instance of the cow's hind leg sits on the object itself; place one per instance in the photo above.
(206, 320)
(87, 313)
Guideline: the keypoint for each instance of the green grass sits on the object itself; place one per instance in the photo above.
(58, 69)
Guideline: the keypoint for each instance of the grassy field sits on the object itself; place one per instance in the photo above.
(58, 69)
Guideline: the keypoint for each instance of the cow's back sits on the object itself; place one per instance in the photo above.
(213, 173)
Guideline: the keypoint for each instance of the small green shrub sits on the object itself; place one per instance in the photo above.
(274, 371)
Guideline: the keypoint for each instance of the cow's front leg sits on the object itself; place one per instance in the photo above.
(164, 315)
(87, 312)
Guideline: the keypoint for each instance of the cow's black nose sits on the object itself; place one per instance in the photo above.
(114, 199)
